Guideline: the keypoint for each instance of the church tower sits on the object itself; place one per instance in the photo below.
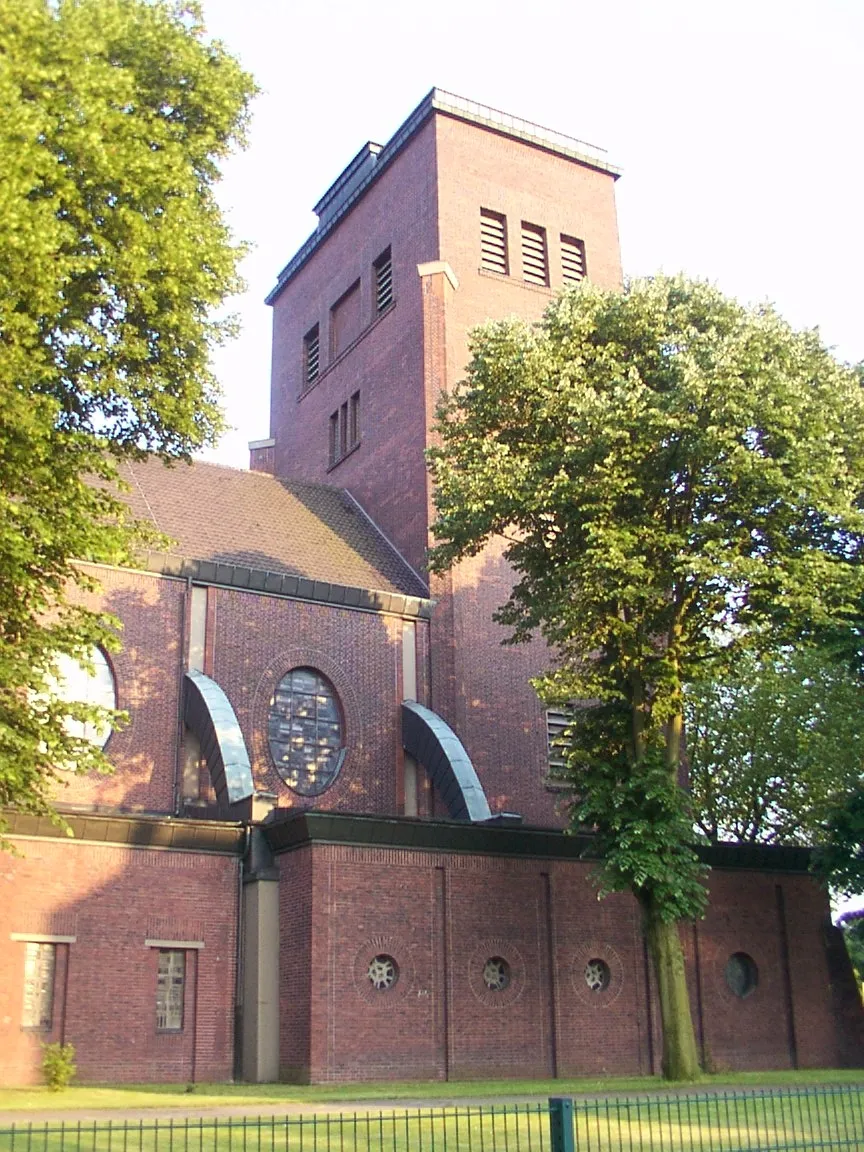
(465, 215)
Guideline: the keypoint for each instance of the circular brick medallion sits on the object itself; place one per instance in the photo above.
(382, 970)
(496, 972)
(597, 974)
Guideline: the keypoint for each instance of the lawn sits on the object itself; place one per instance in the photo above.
(715, 1120)
(249, 1097)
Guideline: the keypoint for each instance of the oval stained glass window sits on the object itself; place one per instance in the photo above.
(304, 728)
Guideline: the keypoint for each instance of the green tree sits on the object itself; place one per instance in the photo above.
(667, 467)
(840, 856)
(772, 744)
(113, 256)
(852, 926)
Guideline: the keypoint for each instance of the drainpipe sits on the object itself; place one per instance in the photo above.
(238, 957)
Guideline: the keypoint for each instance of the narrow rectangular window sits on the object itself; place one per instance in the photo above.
(493, 242)
(311, 357)
(383, 268)
(39, 966)
(557, 722)
(572, 259)
(334, 437)
(170, 989)
(345, 320)
(343, 429)
(535, 266)
(354, 421)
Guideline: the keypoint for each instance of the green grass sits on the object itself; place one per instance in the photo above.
(248, 1097)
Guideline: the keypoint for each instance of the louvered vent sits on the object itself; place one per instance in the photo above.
(572, 260)
(383, 282)
(534, 263)
(311, 357)
(557, 720)
(493, 242)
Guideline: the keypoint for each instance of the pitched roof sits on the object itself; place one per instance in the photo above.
(229, 516)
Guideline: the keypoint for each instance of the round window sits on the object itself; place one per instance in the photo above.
(304, 727)
(597, 975)
(383, 972)
(78, 684)
(496, 974)
(742, 975)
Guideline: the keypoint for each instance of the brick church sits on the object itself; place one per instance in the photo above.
(330, 849)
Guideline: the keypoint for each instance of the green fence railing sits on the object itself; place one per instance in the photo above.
(781, 1121)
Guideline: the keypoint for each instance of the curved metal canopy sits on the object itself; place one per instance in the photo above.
(434, 744)
(208, 713)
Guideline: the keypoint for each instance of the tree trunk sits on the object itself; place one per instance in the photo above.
(680, 1057)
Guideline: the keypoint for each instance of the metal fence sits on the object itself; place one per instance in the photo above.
(717, 1122)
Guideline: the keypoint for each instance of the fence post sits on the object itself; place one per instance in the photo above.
(561, 1124)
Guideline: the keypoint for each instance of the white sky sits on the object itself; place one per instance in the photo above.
(738, 127)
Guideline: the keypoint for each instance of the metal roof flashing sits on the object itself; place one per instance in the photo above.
(368, 164)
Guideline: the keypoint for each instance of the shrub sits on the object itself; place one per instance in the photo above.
(58, 1065)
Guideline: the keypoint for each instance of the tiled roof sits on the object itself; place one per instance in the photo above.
(226, 515)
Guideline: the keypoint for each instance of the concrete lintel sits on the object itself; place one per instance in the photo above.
(435, 266)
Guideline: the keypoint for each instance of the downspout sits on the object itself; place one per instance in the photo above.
(238, 956)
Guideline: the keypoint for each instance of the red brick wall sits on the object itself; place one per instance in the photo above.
(147, 671)
(258, 639)
(387, 473)
(441, 916)
(111, 899)
(491, 704)
(252, 641)
(759, 1031)
(482, 689)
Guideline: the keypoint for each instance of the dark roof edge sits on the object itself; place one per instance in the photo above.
(290, 831)
(259, 580)
(460, 109)
(211, 836)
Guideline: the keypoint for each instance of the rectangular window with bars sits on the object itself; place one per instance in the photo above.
(383, 269)
(572, 259)
(311, 357)
(344, 430)
(493, 242)
(170, 990)
(39, 965)
(535, 265)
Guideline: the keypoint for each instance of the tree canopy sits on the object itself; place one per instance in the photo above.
(113, 256)
(676, 476)
(773, 744)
